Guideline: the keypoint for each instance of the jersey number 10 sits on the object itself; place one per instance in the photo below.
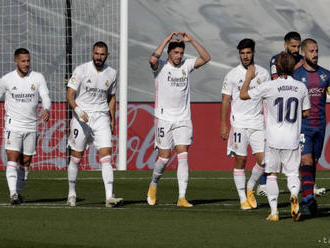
(291, 104)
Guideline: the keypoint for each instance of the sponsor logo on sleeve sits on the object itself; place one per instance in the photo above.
(273, 69)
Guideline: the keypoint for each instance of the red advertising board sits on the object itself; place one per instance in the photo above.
(208, 151)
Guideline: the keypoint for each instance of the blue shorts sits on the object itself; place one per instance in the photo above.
(311, 141)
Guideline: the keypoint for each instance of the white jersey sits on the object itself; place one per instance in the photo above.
(93, 87)
(172, 101)
(285, 100)
(248, 113)
(22, 98)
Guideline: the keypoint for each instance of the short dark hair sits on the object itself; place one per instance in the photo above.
(285, 64)
(174, 44)
(292, 36)
(306, 42)
(246, 43)
(100, 44)
(21, 50)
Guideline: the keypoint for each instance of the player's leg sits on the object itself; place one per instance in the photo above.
(164, 144)
(183, 136)
(238, 141)
(317, 151)
(13, 147)
(182, 175)
(11, 175)
(308, 203)
(29, 149)
(79, 133)
(291, 163)
(101, 133)
(22, 175)
(273, 163)
(257, 143)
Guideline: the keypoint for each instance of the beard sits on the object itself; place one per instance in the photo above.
(98, 63)
(311, 63)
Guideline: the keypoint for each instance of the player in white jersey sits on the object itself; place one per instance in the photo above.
(287, 102)
(173, 126)
(91, 93)
(247, 123)
(22, 88)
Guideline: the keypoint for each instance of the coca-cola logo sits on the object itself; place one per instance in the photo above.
(52, 153)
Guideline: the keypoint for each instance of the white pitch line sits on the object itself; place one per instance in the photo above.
(148, 178)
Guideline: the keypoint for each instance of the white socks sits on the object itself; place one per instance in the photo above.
(158, 171)
(107, 175)
(11, 175)
(272, 193)
(183, 173)
(256, 173)
(239, 179)
(293, 185)
(73, 169)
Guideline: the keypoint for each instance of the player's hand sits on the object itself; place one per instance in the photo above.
(251, 72)
(45, 115)
(224, 132)
(170, 38)
(185, 37)
(82, 115)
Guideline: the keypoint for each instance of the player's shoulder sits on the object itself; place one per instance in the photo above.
(323, 70)
(36, 74)
(84, 67)
(109, 69)
(261, 69)
(9, 75)
(273, 59)
(234, 72)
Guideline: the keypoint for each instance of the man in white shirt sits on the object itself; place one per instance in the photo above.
(247, 123)
(91, 94)
(22, 88)
(287, 102)
(173, 126)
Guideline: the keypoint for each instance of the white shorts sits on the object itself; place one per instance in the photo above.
(96, 130)
(290, 159)
(169, 134)
(23, 142)
(240, 138)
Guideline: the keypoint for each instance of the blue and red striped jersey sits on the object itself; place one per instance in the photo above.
(317, 83)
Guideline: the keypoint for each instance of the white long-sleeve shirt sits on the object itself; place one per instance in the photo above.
(22, 98)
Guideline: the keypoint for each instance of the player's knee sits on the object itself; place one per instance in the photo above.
(164, 153)
(75, 160)
(307, 160)
(240, 162)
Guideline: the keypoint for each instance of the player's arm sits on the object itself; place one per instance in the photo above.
(224, 130)
(273, 70)
(204, 56)
(250, 74)
(112, 110)
(70, 97)
(154, 58)
(45, 99)
(2, 88)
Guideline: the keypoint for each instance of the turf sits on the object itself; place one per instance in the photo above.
(215, 220)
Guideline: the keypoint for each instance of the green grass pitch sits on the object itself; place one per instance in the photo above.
(214, 221)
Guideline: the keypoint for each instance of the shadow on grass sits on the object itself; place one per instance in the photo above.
(46, 200)
(210, 201)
